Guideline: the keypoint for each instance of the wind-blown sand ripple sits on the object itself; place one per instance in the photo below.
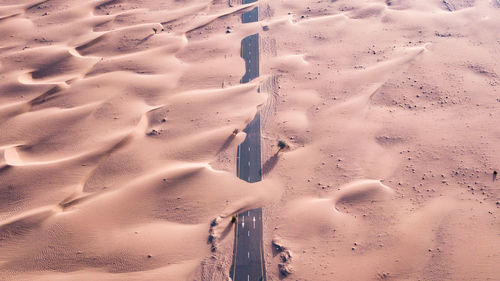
(102, 158)
(120, 119)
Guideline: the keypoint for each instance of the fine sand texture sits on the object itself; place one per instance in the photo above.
(120, 121)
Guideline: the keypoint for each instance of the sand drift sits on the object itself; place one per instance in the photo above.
(352, 139)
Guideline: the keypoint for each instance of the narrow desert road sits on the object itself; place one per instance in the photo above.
(249, 164)
(248, 256)
(248, 263)
(250, 53)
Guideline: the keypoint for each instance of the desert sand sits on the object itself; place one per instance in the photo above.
(118, 142)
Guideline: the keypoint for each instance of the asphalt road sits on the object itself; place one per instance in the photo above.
(248, 255)
(250, 53)
(251, 16)
(249, 163)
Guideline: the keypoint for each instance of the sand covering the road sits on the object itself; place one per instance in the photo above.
(117, 147)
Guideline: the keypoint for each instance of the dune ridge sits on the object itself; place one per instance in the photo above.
(120, 121)
(99, 141)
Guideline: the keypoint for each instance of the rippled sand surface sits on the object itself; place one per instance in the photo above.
(119, 123)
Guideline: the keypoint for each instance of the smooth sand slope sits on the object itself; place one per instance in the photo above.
(118, 141)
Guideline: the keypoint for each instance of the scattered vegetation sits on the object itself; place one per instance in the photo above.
(282, 145)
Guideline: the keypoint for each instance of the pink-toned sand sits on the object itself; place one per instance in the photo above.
(117, 148)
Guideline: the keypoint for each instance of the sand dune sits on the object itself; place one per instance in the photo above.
(120, 121)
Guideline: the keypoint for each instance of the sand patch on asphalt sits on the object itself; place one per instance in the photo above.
(119, 124)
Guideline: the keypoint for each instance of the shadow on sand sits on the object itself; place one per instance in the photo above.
(270, 164)
(228, 141)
